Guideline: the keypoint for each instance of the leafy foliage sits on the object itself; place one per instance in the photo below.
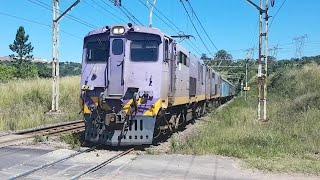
(21, 46)
(23, 50)
(29, 70)
(26, 70)
(70, 68)
(7, 72)
(223, 55)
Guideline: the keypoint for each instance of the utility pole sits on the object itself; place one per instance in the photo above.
(263, 57)
(55, 51)
(152, 6)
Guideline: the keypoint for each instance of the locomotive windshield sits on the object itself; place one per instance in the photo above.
(144, 50)
(97, 51)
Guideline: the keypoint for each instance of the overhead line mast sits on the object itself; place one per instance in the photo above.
(263, 56)
(55, 51)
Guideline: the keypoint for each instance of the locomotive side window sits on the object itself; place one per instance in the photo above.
(166, 49)
(144, 50)
(183, 58)
(200, 72)
(117, 46)
(97, 51)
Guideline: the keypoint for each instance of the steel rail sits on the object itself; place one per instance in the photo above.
(101, 165)
(75, 126)
(47, 127)
(49, 164)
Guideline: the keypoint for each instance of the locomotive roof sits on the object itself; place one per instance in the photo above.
(141, 29)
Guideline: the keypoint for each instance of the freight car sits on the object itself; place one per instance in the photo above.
(138, 83)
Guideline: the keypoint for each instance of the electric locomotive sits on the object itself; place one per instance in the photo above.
(138, 83)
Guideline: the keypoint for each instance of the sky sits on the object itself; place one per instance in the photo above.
(231, 24)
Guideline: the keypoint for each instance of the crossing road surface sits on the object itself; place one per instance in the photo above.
(18, 160)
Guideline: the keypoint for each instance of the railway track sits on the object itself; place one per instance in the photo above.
(101, 165)
(24, 174)
(74, 126)
(79, 175)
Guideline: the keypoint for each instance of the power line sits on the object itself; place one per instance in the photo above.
(162, 14)
(171, 25)
(204, 30)
(48, 7)
(127, 13)
(132, 16)
(105, 9)
(37, 22)
(190, 19)
(275, 15)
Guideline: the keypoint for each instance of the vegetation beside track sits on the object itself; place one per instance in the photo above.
(289, 142)
(74, 140)
(24, 103)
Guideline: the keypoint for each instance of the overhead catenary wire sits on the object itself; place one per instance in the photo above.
(127, 13)
(171, 25)
(162, 14)
(194, 27)
(48, 7)
(277, 12)
(123, 12)
(38, 23)
(116, 17)
(201, 25)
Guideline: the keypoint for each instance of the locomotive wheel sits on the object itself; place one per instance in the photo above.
(159, 122)
(198, 111)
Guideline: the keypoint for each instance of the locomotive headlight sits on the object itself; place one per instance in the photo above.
(118, 30)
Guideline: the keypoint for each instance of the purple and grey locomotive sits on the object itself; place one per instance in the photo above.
(137, 83)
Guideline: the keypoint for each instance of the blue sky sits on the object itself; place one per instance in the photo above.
(232, 24)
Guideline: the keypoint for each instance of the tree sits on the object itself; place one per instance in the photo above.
(206, 59)
(23, 50)
(223, 55)
(21, 46)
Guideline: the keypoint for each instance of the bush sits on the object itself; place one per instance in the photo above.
(26, 70)
(7, 73)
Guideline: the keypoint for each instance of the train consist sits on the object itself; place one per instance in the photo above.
(138, 83)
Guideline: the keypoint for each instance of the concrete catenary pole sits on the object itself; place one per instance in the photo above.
(56, 17)
(55, 56)
(266, 50)
(263, 57)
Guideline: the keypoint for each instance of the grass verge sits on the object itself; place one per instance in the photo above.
(72, 139)
(288, 143)
(23, 103)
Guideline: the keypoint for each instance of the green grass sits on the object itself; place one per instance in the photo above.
(23, 103)
(72, 139)
(288, 143)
